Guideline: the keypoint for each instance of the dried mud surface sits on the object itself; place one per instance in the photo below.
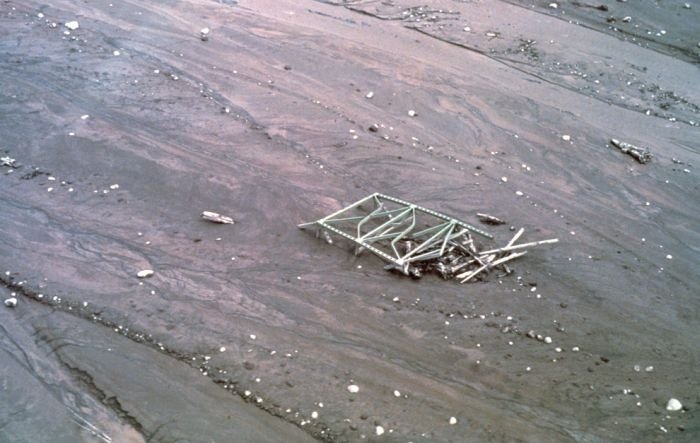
(127, 128)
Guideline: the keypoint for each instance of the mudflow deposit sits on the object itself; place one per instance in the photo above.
(128, 317)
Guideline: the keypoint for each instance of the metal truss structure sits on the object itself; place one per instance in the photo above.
(397, 231)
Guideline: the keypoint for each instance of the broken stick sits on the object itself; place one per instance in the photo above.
(468, 276)
(520, 246)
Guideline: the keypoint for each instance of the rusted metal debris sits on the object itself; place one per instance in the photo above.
(640, 154)
(415, 240)
(215, 217)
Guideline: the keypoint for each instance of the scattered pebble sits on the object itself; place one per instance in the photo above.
(314, 414)
(504, 179)
(72, 25)
(379, 430)
(222, 349)
(397, 393)
(575, 349)
(353, 389)
(674, 405)
(548, 340)
(553, 5)
(116, 53)
(11, 302)
(412, 113)
(370, 94)
(253, 336)
(204, 34)
(145, 273)
(453, 420)
(566, 137)
(669, 257)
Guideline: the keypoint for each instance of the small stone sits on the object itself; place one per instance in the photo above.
(72, 25)
(204, 34)
(222, 349)
(314, 414)
(412, 113)
(627, 19)
(370, 94)
(379, 430)
(674, 405)
(553, 5)
(116, 53)
(145, 273)
(504, 179)
(353, 389)
(11, 302)
(669, 257)
(548, 340)
(453, 420)
(253, 336)
(575, 349)
(397, 393)
(566, 137)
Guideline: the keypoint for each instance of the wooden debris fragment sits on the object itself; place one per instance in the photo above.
(8, 161)
(469, 275)
(489, 219)
(520, 246)
(640, 154)
(215, 217)
(145, 273)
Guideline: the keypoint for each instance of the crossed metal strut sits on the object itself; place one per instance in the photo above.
(385, 227)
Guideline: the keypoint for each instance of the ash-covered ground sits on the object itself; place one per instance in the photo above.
(116, 135)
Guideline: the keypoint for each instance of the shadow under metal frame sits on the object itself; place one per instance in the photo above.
(435, 237)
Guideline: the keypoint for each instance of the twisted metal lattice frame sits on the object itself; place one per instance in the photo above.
(382, 228)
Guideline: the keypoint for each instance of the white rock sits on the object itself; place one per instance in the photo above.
(11, 302)
(669, 257)
(566, 137)
(370, 94)
(73, 25)
(412, 113)
(222, 349)
(145, 273)
(504, 179)
(204, 31)
(453, 420)
(553, 5)
(548, 340)
(380, 430)
(397, 393)
(674, 405)
(116, 53)
(354, 389)
(314, 414)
